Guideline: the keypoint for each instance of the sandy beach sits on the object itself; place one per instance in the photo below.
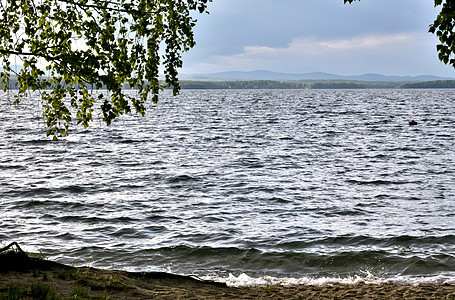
(24, 277)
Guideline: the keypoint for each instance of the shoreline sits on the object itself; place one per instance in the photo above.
(25, 277)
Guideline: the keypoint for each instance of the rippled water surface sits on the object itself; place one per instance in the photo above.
(281, 183)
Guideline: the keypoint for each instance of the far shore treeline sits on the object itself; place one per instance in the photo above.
(314, 84)
(304, 84)
(270, 84)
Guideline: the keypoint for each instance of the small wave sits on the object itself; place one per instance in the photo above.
(344, 212)
(31, 192)
(316, 262)
(380, 182)
(158, 218)
(66, 236)
(35, 142)
(182, 178)
(129, 141)
(246, 280)
(81, 219)
(13, 167)
(405, 241)
(126, 232)
(280, 200)
(74, 189)
(34, 204)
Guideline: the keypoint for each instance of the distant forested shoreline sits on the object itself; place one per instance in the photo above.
(303, 84)
(314, 84)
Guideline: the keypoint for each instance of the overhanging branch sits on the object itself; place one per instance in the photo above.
(107, 7)
(37, 54)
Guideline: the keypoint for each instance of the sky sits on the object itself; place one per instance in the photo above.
(388, 37)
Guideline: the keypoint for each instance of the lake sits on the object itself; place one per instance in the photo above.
(242, 186)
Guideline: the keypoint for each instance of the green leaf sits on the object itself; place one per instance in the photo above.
(92, 44)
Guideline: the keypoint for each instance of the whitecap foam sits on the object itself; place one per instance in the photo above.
(246, 280)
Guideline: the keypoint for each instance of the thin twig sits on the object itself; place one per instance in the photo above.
(10, 246)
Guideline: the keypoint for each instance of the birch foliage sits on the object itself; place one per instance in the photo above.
(68, 48)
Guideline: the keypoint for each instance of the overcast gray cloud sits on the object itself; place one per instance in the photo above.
(371, 36)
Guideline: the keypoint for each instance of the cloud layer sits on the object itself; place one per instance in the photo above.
(372, 37)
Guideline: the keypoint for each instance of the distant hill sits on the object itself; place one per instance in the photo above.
(269, 75)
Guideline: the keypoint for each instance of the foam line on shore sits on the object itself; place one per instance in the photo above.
(245, 280)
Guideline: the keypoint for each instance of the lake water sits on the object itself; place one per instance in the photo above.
(243, 186)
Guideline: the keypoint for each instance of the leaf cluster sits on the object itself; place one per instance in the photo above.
(443, 27)
(69, 48)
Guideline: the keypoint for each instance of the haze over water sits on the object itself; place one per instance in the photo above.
(296, 184)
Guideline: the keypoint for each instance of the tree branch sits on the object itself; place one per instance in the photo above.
(97, 7)
(38, 54)
(10, 246)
